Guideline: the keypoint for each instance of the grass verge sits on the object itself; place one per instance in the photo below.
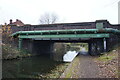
(108, 64)
(71, 71)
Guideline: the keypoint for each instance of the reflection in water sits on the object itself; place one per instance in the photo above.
(28, 67)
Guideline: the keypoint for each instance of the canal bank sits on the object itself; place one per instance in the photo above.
(9, 52)
(71, 70)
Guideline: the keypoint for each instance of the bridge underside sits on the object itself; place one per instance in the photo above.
(96, 45)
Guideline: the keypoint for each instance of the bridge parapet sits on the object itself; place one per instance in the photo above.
(99, 24)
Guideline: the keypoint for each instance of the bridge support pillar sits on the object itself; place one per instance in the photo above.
(20, 44)
(97, 46)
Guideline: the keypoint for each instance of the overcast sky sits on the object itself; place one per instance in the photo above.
(29, 11)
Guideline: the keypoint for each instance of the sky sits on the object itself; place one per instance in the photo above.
(68, 11)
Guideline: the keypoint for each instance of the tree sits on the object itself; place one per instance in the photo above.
(48, 18)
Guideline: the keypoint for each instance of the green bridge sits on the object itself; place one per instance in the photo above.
(70, 35)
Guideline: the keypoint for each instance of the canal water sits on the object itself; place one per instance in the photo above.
(31, 67)
(36, 67)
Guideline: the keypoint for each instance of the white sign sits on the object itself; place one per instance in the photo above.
(69, 56)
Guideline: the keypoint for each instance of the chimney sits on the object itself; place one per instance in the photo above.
(5, 23)
(17, 20)
(10, 21)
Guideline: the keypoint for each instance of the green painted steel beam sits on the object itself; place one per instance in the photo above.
(53, 31)
(67, 31)
(67, 36)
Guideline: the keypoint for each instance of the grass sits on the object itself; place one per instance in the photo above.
(71, 68)
(108, 58)
(56, 73)
(105, 58)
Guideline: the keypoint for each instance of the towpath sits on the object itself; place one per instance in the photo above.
(87, 67)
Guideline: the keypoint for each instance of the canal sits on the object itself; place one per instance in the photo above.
(33, 67)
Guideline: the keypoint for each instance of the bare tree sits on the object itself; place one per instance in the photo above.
(48, 18)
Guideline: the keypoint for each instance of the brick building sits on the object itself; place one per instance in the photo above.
(17, 22)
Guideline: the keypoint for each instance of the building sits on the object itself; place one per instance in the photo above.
(17, 22)
(6, 28)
